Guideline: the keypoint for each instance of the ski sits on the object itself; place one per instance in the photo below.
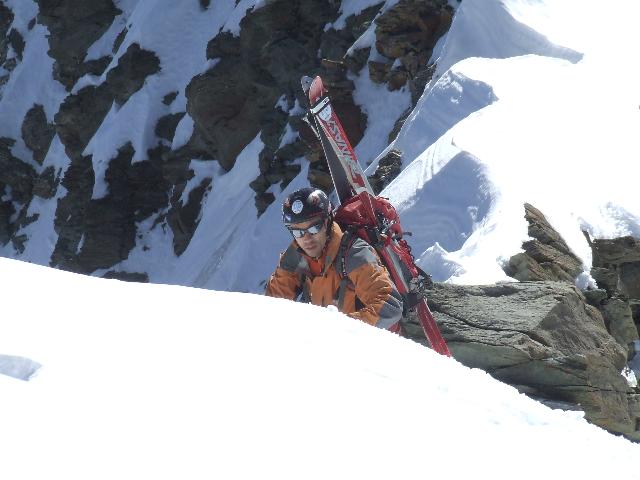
(348, 177)
(371, 218)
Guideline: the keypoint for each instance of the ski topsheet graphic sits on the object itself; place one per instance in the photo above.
(371, 218)
(348, 176)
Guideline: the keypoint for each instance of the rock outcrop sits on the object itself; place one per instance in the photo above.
(544, 339)
(616, 269)
(547, 256)
(406, 35)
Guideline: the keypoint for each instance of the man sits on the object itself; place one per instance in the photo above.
(312, 267)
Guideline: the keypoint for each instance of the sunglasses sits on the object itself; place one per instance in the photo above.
(312, 229)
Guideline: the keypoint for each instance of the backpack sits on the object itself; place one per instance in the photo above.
(375, 220)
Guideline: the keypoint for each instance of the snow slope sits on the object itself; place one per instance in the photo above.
(165, 382)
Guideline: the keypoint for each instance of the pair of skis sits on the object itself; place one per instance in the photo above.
(373, 218)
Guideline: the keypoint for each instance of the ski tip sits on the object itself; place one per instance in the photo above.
(316, 90)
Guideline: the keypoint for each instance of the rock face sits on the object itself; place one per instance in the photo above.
(544, 339)
(547, 256)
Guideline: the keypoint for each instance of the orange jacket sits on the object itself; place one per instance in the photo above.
(370, 294)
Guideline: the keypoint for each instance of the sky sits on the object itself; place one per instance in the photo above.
(131, 380)
(520, 109)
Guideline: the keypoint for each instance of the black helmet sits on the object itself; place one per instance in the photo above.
(305, 204)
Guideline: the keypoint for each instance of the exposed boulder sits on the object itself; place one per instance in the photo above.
(74, 25)
(15, 173)
(37, 132)
(544, 339)
(546, 257)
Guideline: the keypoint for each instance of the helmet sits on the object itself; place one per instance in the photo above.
(305, 204)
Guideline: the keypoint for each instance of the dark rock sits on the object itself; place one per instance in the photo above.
(74, 25)
(99, 233)
(399, 123)
(6, 211)
(542, 336)
(45, 185)
(80, 115)
(96, 67)
(37, 132)
(224, 44)
(320, 177)
(412, 26)
(6, 19)
(169, 98)
(546, 257)
(31, 24)
(71, 212)
(127, 276)
(616, 269)
(595, 297)
(408, 31)
(263, 201)
(378, 71)
(15, 173)
(616, 265)
(387, 170)
(119, 39)
(397, 78)
(335, 43)
(134, 66)
(357, 59)
(166, 126)
(17, 42)
(619, 321)
(205, 4)
(184, 219)
(278, 43)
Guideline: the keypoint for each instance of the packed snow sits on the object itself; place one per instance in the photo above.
(153, 381)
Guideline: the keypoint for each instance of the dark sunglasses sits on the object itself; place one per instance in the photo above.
(312, 229)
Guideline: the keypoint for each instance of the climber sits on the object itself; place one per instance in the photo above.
(325, 266)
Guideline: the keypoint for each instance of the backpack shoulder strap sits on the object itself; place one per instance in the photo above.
(341, 267)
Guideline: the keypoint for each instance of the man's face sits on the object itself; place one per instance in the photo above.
(312, 245)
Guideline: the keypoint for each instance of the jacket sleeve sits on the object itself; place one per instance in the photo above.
(373, 286)
(285, 282)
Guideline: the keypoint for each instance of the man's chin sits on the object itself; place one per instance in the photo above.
(312, 252)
